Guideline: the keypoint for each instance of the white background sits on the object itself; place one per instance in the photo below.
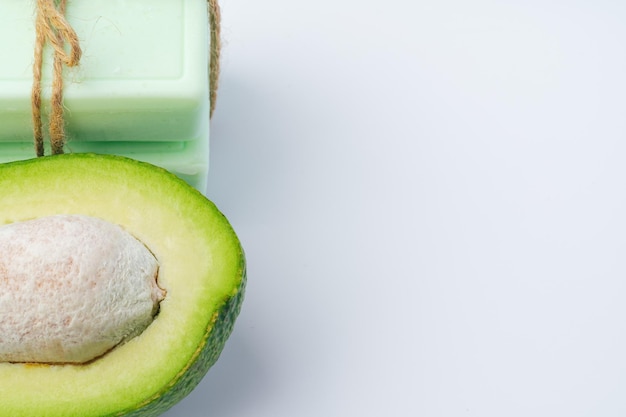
(432, 198)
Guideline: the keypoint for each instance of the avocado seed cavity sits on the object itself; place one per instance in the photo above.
(72, 288)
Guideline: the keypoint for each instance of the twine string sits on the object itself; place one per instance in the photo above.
(51, 27)
(216, 47)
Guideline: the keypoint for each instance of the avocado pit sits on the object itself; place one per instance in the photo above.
(72, 288)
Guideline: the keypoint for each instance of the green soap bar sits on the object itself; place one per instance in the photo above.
(140, 90)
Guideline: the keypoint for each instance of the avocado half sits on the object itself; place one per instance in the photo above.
(201, 266)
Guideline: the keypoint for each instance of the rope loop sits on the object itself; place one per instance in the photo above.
(52, 27)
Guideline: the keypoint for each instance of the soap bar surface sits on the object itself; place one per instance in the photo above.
(140, 90)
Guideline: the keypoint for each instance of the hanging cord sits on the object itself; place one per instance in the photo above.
(52, 27)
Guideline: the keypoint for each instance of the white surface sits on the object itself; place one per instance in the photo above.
(432, 197)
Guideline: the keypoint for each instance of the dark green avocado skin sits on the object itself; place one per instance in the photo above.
(218, 334)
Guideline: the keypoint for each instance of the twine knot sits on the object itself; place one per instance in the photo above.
(52, 27)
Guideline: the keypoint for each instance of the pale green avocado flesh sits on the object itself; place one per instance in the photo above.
(201, 266)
